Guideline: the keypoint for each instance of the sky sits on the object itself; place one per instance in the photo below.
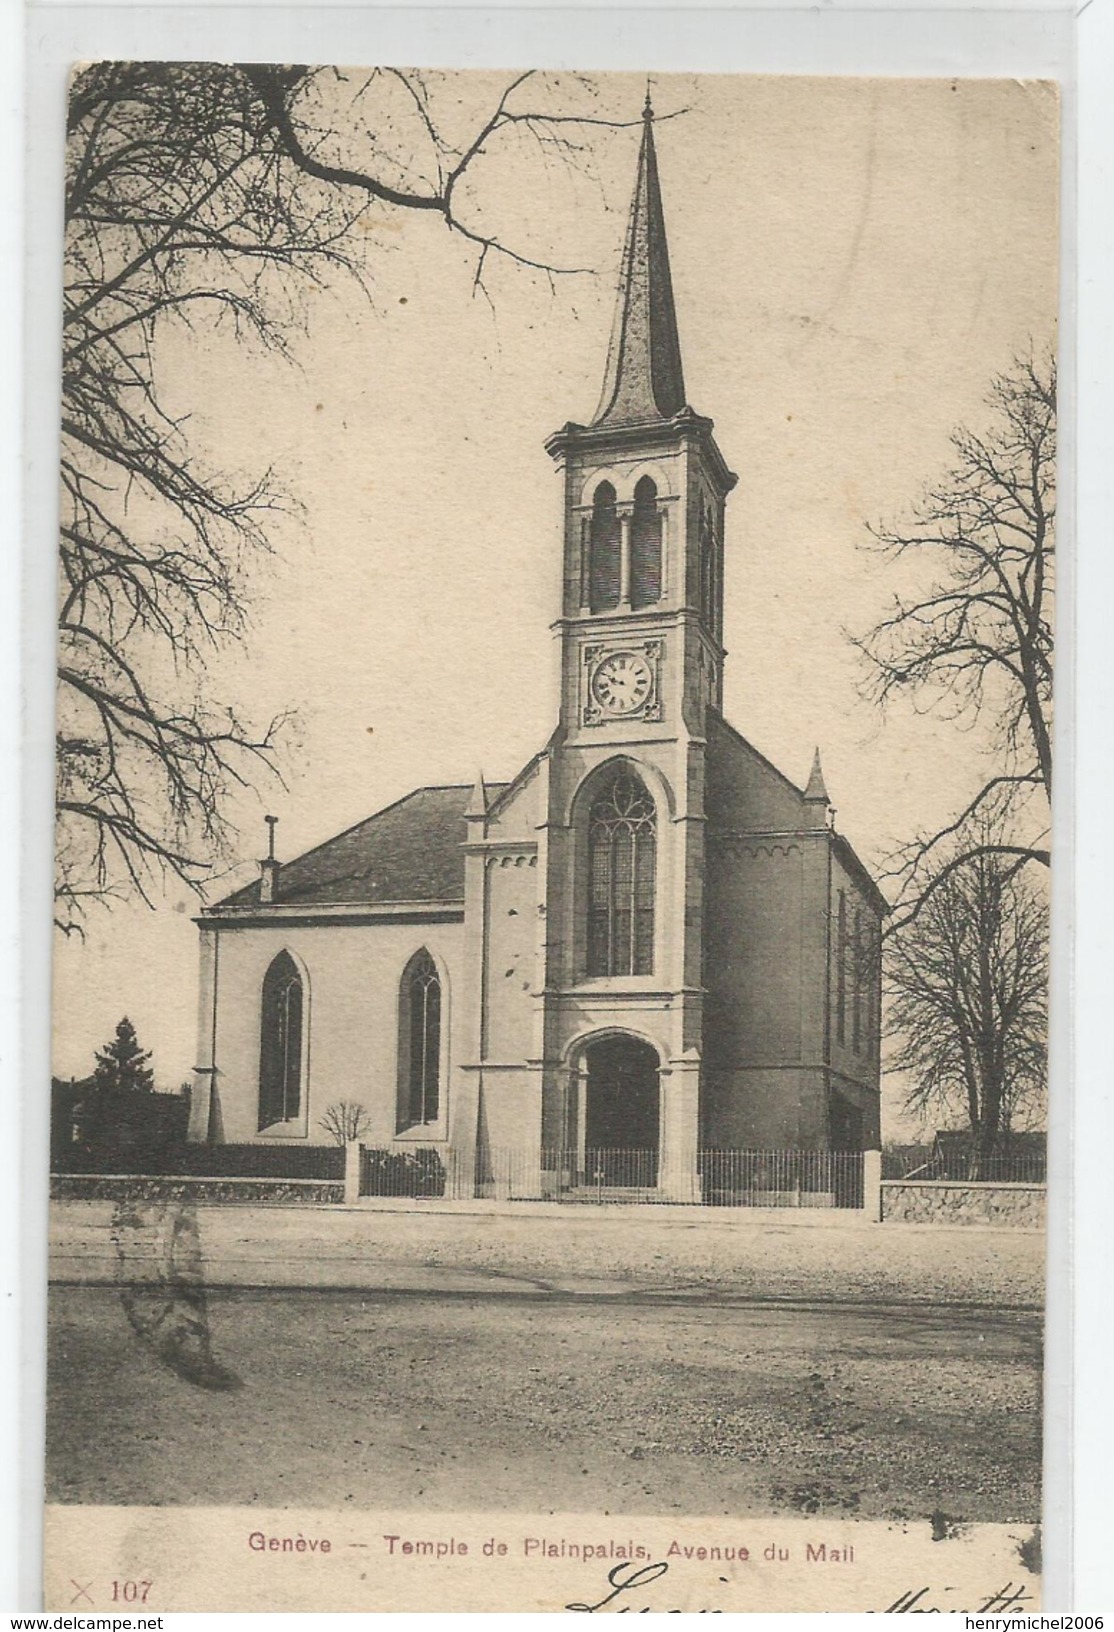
(853, 261)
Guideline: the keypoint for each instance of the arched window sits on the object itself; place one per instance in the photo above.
(604, 551)
(645, 545)
(280, 1054)
(841, 969)
(869, 977)
(419, 1077)
(622, 858)
(858, 983)
(708, 585)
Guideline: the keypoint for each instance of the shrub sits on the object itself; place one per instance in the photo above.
(418, 1172)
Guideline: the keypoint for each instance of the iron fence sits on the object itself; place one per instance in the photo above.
(418, 1174)
(602, 1175)
(719, 1178)
(782, 1178)
(962, 1167)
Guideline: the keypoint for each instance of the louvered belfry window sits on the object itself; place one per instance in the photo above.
(622, 850)
(604, 550)
(422, 994)
(645, 545)
(280, 1055)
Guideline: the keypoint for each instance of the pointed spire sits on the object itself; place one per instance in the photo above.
(477, 805)
(816, 789)
(644, 380)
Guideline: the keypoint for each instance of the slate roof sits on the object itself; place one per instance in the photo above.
(408, 852)
(644, 379)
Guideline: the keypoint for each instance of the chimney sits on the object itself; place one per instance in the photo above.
(269, 867)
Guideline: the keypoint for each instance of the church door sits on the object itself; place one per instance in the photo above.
(621, 1121)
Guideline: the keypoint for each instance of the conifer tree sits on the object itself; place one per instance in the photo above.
(122, 1065)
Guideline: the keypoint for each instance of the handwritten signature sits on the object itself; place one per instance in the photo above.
(626, 1578)
(915, 1601)
(629, 1577)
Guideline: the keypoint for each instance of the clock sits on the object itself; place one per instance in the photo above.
(622, 683)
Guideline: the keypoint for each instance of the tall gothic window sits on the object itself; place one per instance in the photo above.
(870, 996)
(645, 545)
(857, 987)
(420, 1043)
(709, 593)
(622, 857)
(841, 969)
(604, 550)
(280, 1055)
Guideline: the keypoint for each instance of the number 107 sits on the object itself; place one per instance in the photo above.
(130, 1592)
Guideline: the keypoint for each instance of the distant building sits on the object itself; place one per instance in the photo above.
(953, 1151)
(649, 940)
(95, 1128)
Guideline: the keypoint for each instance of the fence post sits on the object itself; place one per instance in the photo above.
(353, 1154)
(460, 1173)
(872, 1185)
(677, 1157)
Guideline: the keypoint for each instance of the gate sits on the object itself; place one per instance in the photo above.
(723, 1178)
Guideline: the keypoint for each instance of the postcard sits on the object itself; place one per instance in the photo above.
(554, 760)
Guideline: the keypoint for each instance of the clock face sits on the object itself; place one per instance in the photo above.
(622, 683)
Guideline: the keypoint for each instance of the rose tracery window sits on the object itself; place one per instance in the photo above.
(622, 860)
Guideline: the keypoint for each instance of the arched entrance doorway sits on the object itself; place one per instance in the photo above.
(621, 1112)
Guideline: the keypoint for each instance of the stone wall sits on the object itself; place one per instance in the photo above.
(252, 1192)
(952, 1201)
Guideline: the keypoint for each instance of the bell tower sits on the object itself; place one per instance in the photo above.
(640, 634)
(641, 623)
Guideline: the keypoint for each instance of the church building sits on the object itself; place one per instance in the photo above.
(647, 946)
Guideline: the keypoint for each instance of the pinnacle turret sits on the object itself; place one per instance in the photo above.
(477, 804)
(816, 789)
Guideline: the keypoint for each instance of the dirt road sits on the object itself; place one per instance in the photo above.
(648, 1403)
(758, 1255)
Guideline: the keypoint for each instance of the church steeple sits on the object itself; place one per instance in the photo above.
(644, 381)
(645, 484)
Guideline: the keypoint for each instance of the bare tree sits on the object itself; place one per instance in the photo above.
(344, 1121)
(967, 982)
(976, 645)
(209, 197)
